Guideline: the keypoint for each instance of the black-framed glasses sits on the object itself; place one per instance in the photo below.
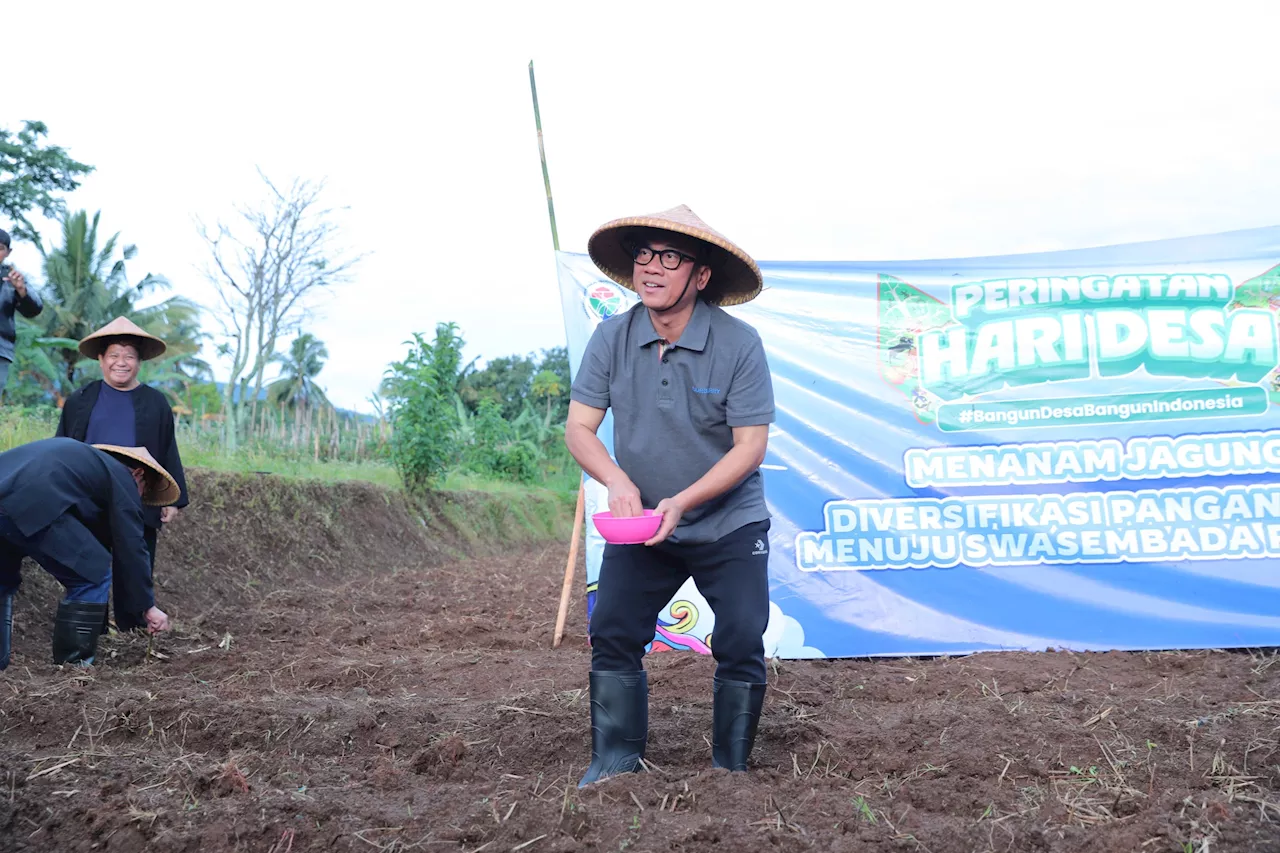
(669, 258)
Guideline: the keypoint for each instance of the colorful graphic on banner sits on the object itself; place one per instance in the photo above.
(1072, 449)
(904, 312)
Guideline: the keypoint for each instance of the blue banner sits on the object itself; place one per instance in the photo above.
(1074, 450)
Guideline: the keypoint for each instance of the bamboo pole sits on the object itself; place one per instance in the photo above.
(567, 588)
(542, 153)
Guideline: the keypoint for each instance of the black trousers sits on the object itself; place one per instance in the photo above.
(637, 581)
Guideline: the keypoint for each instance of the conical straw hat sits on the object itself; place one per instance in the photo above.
(160, 494)
(735, 278)
(149, 346)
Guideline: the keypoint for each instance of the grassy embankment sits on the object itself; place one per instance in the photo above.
(491, 508)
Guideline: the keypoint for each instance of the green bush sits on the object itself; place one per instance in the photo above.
(498, 450)
(24, 424)
(420, 392)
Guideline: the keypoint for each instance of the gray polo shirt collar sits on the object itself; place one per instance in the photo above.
(694, 336)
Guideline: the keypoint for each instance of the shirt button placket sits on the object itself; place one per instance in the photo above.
(664, 371)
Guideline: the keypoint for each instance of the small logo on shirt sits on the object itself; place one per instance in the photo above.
(706, 390)
(761, 548)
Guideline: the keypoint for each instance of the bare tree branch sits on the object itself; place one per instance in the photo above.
(266, 278)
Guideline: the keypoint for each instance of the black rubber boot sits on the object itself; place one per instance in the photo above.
(6, 629)
(734, 716)
(75, 632)
(619, 723)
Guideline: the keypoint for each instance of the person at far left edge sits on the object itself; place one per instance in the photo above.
(119, 410)
(15, 295)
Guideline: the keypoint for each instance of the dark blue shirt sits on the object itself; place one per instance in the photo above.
(112, 420)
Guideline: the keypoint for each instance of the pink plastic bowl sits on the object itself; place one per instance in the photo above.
(627, 531)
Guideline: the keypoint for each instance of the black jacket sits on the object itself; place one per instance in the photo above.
(30, 307)
(153, 423)
(49, 483)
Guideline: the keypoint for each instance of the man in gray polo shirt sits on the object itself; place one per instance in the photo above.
(692, 401)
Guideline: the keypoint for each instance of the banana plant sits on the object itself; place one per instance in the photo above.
(38, 363)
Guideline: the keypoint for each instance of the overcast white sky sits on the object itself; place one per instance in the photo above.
(801, 130)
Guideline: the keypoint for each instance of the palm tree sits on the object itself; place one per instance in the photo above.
(181, 366)
(86, 286)
(176, 321)
(547, 384)
(296, 385)
(164, 375)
